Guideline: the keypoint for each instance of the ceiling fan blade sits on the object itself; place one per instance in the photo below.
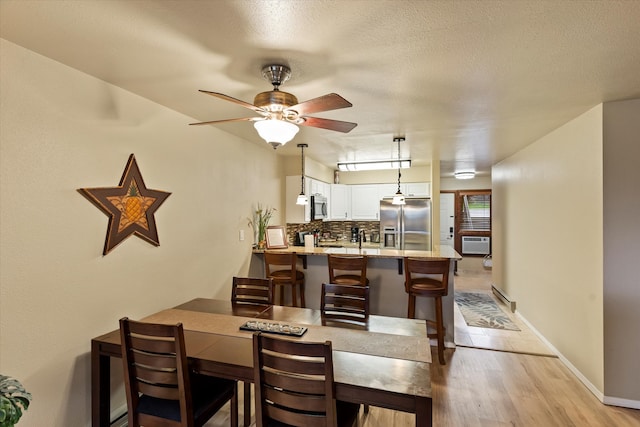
(336, 125)
(242, 119)
(234, 100)
(331, 101)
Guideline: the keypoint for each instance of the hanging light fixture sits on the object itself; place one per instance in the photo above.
(302, 199)
(398, 199)
(374, 165)
(276, 132)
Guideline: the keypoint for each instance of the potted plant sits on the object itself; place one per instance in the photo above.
(259, 223)
(14, 400)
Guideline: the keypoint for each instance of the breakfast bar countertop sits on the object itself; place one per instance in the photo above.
(438, 252)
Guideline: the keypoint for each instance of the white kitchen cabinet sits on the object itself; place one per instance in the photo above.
(340, 202)
(387, 190)
(296, 214)
(417, 189)
(365, 203)
(319, 187)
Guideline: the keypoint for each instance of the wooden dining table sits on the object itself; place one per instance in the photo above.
(386, 362)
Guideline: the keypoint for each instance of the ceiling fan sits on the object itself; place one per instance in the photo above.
(280, 112)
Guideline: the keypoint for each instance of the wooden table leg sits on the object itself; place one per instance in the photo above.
(247, 403)
(424, 412)
(100, 375)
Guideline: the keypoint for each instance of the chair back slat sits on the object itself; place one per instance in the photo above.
(249, 290)
(294, 382)
(155, 365)
(352, 268)
(345, 302)
(433, 272)
(282, 262)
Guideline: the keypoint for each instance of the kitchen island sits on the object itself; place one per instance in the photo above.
(385, 274)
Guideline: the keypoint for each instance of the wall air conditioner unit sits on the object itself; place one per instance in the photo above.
(472, 245)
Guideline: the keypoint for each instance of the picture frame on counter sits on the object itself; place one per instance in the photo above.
(276, 237)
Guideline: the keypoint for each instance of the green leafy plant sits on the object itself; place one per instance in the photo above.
(14, 400)
(260, 221)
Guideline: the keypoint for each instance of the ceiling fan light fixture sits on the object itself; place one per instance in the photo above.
(276, 132)
(374, 165)
(464, 175)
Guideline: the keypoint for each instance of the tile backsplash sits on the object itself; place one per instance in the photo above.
(336, 229)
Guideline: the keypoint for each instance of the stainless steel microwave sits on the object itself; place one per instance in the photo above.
(318, 207)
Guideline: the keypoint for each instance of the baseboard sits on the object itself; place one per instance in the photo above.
(564, 360)
(624, 403)
(119, 417)
(503, 297)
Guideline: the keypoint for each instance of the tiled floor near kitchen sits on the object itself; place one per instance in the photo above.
(473, 277)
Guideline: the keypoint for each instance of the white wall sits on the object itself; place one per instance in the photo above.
(547, 239)
(61, 130)
(621, 251)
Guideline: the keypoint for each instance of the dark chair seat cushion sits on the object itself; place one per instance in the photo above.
(207, 392)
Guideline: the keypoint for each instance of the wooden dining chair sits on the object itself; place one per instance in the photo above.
(348, 269)
(428, 277)
(282, 268)
(344, 303)
(160, 389)
(295, 384)
(250, 290)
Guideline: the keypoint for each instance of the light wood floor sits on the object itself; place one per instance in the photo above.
(487, 388)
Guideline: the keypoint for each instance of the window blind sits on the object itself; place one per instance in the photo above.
(476, 212)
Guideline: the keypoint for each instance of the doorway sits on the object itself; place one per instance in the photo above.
(447, 219)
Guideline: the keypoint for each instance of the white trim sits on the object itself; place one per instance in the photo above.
(564, 360)
(625, 403)
(607, 400)
(119, 416)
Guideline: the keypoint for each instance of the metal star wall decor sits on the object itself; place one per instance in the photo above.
(130, 207)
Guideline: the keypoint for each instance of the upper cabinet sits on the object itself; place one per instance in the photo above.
(365, 202)
(416, 189)
(359, 202)
(340, 203)
(387, 190)
(319, 187)
(411, 189)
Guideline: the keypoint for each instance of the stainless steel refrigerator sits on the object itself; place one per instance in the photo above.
(406, 227)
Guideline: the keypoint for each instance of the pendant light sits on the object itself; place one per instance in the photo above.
(398, 199)
(302, 199)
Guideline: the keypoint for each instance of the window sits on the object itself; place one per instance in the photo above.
(476, 212)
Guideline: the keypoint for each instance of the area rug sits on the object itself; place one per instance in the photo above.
(482, 311)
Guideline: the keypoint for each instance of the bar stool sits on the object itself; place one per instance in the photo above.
(420, 282)
(348, 270)
(281, 267)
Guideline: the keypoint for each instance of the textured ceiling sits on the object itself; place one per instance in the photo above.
(468, 83)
